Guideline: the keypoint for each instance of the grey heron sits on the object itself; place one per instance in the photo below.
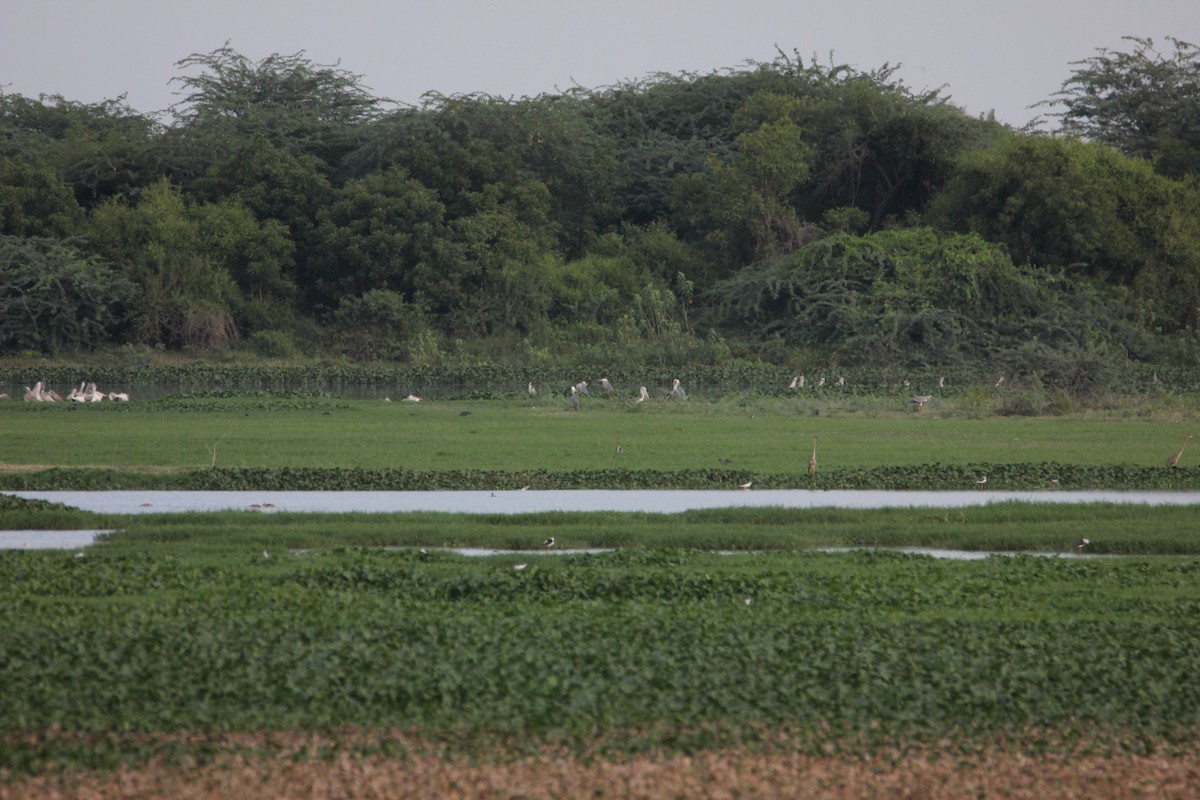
(574, 398)
(677, 391)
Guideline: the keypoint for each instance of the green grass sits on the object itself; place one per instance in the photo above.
(771, 438)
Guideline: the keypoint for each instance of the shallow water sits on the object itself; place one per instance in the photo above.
(527, 502)
(47, 540)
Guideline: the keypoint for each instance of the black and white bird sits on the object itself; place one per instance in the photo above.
(1082, 543)
(548, 543)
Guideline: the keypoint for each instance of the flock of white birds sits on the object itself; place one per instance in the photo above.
(84, 393)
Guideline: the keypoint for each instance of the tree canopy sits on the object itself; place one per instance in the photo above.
(820, 206)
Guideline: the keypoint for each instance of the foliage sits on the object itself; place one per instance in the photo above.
(1142, 102)
(53, 297)
(592, 224)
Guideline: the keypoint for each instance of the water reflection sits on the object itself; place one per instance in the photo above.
(529, 502)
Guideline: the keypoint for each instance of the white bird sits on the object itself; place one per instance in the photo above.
(1082, 543)
(999, 381)
(531, 389)
(520, 566)
(800, 382)
(387, 399)
(122, 397)
(3, 395)
(643, 395)
(821, 382)
(982, 481)
(677, 390)
(606, 386)
(548, 543)
(795, 382)
(906, 383)
(745, 485)
(412, 398)
(841, 381)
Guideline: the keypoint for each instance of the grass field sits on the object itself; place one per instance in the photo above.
(762, 436)
(216, 654)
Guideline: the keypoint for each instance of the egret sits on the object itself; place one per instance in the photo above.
(643, 395)
(942, 382)
(745, 485)
(1173, 460)
(981, 482)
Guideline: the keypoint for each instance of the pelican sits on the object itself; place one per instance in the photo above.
(643, 395)
(606, 386)
(3, 395)
(1173, 460)
(745, 485)
(812, 460)
(574, 398)
(920, 400)
(548, 543)
(531, 389)
(677, 390)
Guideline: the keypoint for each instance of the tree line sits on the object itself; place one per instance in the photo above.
(779, 208)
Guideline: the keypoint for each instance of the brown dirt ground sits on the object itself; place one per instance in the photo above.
(726, 773)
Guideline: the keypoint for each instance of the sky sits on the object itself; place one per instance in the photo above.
(998, 56)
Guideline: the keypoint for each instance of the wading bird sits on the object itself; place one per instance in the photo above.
(606, 386)
(795, 382)
(981, 482)
(643, 395)
(548, 543)
(574, 398)
(1173, 460)
(821, 382)
(745, 485)
(812, 460)
(531, 389)
(1082, 543)
(677, 391)
(920, 400)
(412, 398)
(582, 387)
(841, 381)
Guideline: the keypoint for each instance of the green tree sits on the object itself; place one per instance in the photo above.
(34, 202)
(1143, 102)
(54, 298)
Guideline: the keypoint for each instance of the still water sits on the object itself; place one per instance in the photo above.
(532, 501)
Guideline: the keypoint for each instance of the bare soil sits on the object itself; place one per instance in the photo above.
(261, 769)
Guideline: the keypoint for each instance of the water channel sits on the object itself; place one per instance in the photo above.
(533, 501)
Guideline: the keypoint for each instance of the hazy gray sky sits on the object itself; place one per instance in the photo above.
(1001, 55)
